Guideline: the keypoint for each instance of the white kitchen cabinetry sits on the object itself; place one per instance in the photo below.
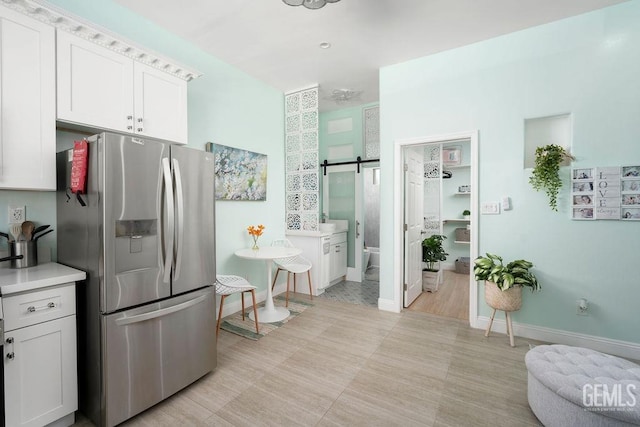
(98, 87)
(27, 103)
(40, 384)
(338, 256)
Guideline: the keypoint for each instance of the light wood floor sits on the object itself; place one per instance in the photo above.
(451, 299)
(339, 364)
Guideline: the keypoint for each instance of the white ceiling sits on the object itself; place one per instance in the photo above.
(279, 44)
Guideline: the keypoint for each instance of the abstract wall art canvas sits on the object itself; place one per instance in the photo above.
(240, 174)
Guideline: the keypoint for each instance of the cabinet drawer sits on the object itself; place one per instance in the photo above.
(38, 306)
(338, 238)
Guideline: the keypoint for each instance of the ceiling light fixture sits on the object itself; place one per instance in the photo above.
(309, 4)
(342, 96)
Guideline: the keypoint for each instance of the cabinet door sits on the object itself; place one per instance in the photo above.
(40, 378)
(160, 104)
(341, 259)
(95, 84)
(27, 103)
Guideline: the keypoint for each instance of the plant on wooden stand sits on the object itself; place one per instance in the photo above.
(546, 173)
(432, 254)
(503, 285)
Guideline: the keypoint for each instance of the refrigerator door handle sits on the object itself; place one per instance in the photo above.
(179, 217)
(168, 241)
(159, 313)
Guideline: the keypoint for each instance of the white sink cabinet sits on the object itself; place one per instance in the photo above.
(101, 88)
(338, 269)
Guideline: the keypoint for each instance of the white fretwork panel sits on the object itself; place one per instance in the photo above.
(432, 170)
(293, 163)
(310, 202)
(372, 133)
(432, 153)
(310, 140)
(310, 181)
(309, 100)
(293, 183)
(293, 221)
(293, 124)
(292, 104)
(302, 160)
(310, 160)
(310, 221)
(293, 143)
(293, 202)
(309, 120)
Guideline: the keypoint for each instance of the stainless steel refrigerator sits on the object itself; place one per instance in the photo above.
(144, 233)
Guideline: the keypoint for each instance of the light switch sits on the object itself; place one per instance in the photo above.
(490, 208)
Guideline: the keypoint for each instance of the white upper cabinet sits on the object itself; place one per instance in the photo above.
(160, 104)
(27, 103)
(95, 85)
(98, 87)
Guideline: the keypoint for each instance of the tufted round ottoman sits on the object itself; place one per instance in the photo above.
(573, 386)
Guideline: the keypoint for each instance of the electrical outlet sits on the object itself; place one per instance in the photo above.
(17, 214)
(582, 307)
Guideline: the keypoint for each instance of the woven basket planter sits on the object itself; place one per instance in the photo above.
(509, 300)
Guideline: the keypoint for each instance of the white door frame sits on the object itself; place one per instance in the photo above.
(398, 214)
(354, 274)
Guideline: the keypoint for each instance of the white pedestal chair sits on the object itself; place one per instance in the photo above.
(228, 285)
(295, 264)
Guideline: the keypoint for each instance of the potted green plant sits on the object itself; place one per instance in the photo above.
(503, 286)
(466, 214)
(432, 254)
(546, 173)
(504, 283)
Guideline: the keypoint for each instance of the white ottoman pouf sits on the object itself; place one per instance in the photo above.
(573, 386)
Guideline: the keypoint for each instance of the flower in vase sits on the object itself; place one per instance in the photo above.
(255, 232)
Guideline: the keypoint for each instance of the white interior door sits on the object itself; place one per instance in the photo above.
(342, 199)
(413, 197)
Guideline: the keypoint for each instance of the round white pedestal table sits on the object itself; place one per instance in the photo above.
(269, 313)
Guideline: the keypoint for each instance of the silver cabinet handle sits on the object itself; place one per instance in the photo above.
(129, 127)
(140, 120)
(357, 229)
(129, 118)
(139, 129)
(9, 340)
(32, 309)
(11, 355)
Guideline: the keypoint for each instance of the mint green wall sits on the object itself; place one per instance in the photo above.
(586, 65)
(226, 106)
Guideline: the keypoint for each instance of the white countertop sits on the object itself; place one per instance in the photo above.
(305, 233)
(13, 280)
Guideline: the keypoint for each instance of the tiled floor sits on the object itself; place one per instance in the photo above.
(339, 364)
(365, 293)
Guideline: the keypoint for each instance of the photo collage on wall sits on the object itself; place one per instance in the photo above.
(605, 193)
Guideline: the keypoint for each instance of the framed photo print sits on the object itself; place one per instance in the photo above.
(451, 156)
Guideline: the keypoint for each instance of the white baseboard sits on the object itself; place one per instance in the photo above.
(556, 336)
(387, 305)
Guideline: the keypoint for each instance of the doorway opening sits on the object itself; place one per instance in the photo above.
(436, 186)
(351, 196)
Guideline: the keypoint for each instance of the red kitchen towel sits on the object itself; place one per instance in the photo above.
(79, 167)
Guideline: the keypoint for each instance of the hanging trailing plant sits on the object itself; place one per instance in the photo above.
(546, 173)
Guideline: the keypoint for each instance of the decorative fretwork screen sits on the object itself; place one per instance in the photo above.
(432, 220)
(302, 162)
(372, 132)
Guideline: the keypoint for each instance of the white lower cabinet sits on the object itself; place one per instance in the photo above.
(338, 256)
(40, 366)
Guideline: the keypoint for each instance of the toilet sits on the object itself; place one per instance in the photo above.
(366, 255)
